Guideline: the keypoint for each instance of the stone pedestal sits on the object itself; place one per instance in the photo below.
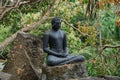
(102, 78)
(65, 72)
(5, 76)
(26, 58)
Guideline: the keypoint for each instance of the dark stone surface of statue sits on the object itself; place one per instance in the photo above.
(55, 45)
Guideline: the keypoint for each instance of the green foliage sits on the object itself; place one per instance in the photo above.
(24, 16)
(9, 25)
(3, 54)
(104, 64)
(42, 29)
(74, 43)
(107, 21)
(4, 32)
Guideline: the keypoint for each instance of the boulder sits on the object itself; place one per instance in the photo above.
(92, 78)
(64, 72)
(26, 58)
(5, 76)
(110, 77)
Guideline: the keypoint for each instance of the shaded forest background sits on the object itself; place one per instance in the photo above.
(92, 27)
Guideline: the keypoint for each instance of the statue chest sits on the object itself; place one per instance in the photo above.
(56, 36)
(56, 39)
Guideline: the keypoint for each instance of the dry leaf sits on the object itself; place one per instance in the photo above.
(19, 71)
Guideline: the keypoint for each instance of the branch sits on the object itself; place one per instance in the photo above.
(74, 28)
(27, 29)
(6, 8)
(108, 46)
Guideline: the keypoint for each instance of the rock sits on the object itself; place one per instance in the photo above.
(110, 77)
(102, 78)
(5, 76)
(26, 58)
(92, 78)
(65, 72)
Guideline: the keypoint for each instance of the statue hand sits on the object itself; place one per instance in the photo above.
(64, 54)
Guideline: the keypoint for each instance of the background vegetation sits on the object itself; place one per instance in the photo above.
(92, 27)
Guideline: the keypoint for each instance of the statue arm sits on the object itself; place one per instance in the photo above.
(46, 48)
(65, 45)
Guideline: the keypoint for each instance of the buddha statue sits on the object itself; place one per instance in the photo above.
(55, 45)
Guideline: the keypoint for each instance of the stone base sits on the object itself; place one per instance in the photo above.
(64, 72)
(92, 78)
(5, 76)
(100, 78)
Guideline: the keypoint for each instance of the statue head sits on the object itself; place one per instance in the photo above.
(56, 23)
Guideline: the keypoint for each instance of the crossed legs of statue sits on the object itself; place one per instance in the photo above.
(53, 60)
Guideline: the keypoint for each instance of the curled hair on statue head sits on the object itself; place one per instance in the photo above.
(56, 19)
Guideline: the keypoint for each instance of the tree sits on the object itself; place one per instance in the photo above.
(9, 5)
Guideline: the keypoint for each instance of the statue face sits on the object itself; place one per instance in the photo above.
(56, 24)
